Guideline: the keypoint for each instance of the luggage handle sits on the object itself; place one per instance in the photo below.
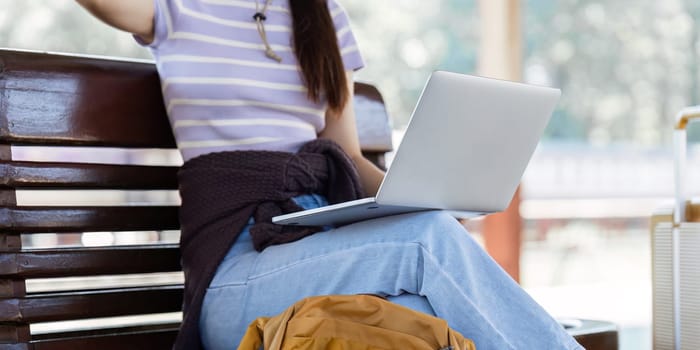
(683, 118)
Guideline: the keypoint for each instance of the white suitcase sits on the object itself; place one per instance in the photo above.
(675, 238)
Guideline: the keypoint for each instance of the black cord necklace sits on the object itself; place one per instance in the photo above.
(260, 18)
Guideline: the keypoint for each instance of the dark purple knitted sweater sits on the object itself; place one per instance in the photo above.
(221, 191)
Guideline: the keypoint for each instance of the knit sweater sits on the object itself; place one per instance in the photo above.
(221, 191)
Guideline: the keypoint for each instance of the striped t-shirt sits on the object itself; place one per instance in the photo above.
(220, 90)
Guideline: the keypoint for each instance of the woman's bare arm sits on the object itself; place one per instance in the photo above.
(133, 16)
(343, 131)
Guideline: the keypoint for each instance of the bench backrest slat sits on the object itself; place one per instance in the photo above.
(88, 219)
(86, 176)
(136, 338)
(68, 100)
(89, 261)
(89, 304)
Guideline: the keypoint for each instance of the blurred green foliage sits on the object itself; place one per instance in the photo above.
(626, 67)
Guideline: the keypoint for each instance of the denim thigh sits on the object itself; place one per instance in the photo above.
(249, 284)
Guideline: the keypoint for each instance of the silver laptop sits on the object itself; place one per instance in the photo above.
(465, 149)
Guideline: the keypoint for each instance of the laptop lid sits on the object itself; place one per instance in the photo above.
(468, 143)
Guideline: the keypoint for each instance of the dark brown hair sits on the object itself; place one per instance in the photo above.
(318, 53)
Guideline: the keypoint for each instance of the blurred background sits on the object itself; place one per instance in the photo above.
(625, 68)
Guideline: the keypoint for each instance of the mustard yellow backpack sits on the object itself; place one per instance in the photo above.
(351, 322)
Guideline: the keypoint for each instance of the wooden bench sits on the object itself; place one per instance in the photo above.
(57, 100)
(96, 104)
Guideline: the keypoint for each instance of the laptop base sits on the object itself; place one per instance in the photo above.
(342, 213)
(349, 212)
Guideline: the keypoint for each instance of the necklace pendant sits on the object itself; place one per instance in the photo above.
(272, 55)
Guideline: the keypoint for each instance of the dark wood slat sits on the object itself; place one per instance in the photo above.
(74, 175)
(10, 242)
(90, 261)
(88, 304)
(71, 100)
(14, 333)
(599, 341)
(7, 197)
(145, 337)
(82, 219)
(11, 288)
(52, 99)
(5, 150)
(369, 91)
(156, 327)
(101, 176)
(596, 335)
(372, 118)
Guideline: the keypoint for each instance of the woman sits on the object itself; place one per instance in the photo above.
(257, 93)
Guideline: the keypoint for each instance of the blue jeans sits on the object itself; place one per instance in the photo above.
(425, 261)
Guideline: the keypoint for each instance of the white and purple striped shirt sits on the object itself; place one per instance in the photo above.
(221, 92)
